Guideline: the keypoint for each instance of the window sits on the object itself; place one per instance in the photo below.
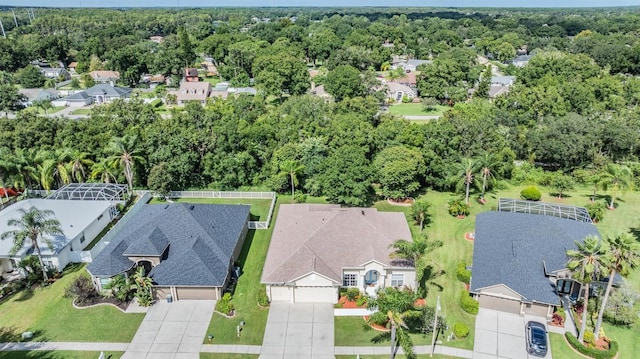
(350, 280)
(82, 238)
(397, 280)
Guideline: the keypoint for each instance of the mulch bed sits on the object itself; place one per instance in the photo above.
(377, 327)
(349, 304)
(401, 202)
(103, 300)
(470, 236)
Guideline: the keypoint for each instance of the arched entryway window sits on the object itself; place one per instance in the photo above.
(146, 265)
(371, 277)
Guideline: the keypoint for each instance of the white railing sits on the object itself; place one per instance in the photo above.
(224, 194)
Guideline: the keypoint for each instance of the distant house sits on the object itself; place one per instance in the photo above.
(500, 85)
(521, 60)
(408, 65)
(193, 91)
(396, 92)
(33, 95)
(320, 92)
(156, 39)
(210, 68)
(191, 75)
(72, 66)
(105, 77)
(318, 248)
(188, 250)
(98, 94)
(519, 259)
(55, 73)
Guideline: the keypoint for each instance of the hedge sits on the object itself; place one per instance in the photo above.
(469, 304)
(592, 352)
(463, 274)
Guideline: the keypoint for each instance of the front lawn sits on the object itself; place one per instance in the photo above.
(47, 313)
(354, 331)
(81, 112)
(416, 109)
(560, 348)
(259, 207)
(62, 354)
(252, 257)
(399, 356)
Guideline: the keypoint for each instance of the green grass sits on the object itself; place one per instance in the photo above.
(227, 356)
(415, 109)
(560, 348)
(252, 258)
(214, 80)
(354, 331)
(259, 207)
(51, 316)
(62, 354)
(81, 111)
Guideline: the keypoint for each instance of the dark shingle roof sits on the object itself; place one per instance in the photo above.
(201, 239)
(514, 248)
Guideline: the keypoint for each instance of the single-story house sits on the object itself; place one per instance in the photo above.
(193, 91)
(396, 91)
(80, 221)
(500, 85)
(105, 77)
(521, 60)
(55, 73)
(410, 65)
(317, 248)
(188, 250)
(98, 94)
(156, 39)
(72, 66)
(519, 261)
(39, 95)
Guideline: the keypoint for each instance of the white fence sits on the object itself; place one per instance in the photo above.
(225, 194)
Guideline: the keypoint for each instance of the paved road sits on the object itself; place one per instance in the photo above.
(502, 335)
(422, 118)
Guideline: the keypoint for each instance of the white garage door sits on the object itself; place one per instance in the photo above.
(280, 294)
(500, 304)
(316, 294)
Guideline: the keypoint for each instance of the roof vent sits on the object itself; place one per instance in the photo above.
(513, 248)
(191, 207)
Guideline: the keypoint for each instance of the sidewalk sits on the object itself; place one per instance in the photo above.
(422, 349)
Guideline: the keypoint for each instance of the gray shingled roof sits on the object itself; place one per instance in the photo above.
(324, 239)
(201, 239)
(513, 248)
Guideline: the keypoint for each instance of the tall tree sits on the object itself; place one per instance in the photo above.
(624, 256)
(464, 175)
(32, 225)
(397, 304)
(586, 263)
(617, 177)
(10, 99)
(124, 154)
(105, 171)
(292, 169)
(487, 164)
(78, 163)
(419, 212)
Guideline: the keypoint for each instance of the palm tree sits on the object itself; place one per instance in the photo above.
(291, 168)
(618, 178)
(45, 105)
(464, 175)
(413, 250)
(123, 154)
(419, 212)
(104, 171)
(487, 164)
(24, 161)
(54, 166)
(586, 262)
(624, 255)
(398, 328)
(397, 304)
(7, 167)
(77, 165)
(33, 224)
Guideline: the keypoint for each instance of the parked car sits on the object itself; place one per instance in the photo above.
(536, 334)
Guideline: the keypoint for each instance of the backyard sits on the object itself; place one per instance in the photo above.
(416, 109)
(259, 207)
(51, 316)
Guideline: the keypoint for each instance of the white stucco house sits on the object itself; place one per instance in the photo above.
(318, 248)
(80, 221)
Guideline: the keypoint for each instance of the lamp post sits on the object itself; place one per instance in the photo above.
(435, 327)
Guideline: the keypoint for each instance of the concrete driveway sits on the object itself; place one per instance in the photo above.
(300, 330)
(502, 335)
(172, 330)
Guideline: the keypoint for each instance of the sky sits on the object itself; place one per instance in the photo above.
(324, 3)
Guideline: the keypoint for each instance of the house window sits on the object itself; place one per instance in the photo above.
(350, 280)
(82, 239)
(397, 280)
(48, 263)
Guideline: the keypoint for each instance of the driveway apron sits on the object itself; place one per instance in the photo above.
(172, 330)
(501, 335)
(299, 330)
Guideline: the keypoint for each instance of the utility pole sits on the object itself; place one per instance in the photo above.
(2, 27)
(435, 327)
(15, 19)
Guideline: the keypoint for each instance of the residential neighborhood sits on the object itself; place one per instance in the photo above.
(314, 182)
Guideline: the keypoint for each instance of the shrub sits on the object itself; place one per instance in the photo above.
(460, 330)
(531, 193)
(592, 352)
(300, 198)
(596, 211)
(463, 274)
(224, 304)
(263, 299)
(469, 304)
(457, 207)
(82, 291)
(362, 300)
(378, 318)
(620, 307)
(589, 338)
(352, 294)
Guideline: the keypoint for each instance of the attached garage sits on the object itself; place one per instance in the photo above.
(500, 304)
(315, 294)
(161, 293)
(196, 293)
